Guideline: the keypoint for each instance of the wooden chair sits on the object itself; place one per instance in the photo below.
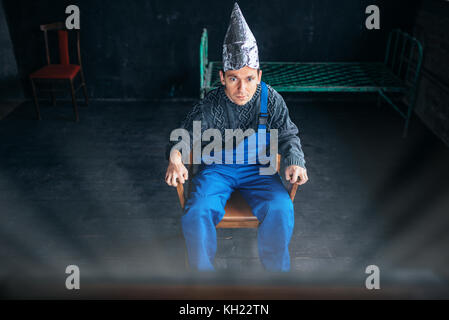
(64, 72)
(238, 213)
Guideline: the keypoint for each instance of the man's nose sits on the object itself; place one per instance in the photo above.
(241, 86)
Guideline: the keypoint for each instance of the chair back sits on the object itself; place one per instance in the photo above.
(63, 42)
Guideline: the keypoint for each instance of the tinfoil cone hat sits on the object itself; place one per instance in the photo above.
(239, 46)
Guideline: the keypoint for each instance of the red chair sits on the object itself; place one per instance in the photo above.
(64, 72)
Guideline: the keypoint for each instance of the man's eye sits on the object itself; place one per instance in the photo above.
(232, 79)
(250, 79)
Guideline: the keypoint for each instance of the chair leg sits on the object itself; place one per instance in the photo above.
(53, 100)
(36, 103)
(75, 107)
(84, 87)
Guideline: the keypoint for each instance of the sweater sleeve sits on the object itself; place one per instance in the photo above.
(195, 114)
(289, 144)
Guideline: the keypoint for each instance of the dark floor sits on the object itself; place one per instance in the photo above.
(92, 194)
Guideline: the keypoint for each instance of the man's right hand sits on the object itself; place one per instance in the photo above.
(176, 170)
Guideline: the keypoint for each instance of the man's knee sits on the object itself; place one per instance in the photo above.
(280, 210)
(203, 209)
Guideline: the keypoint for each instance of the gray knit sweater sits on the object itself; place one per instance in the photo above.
(216, 110)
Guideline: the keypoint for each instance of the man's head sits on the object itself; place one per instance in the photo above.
(240, 85)
(240, 74)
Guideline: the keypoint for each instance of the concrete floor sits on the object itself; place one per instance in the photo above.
(92, 194)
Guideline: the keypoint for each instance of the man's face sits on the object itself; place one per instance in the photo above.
(240, 85)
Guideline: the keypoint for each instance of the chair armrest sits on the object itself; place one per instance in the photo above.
(180, 190)
(292, 190)
(180, 186)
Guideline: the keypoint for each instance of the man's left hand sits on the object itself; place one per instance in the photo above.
(296, 174)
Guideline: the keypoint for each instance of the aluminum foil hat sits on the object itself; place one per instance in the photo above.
(239, 46)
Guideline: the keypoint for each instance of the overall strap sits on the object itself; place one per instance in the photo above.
(263, 115)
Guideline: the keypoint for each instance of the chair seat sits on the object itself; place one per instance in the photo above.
(56, 71)
(238, 213)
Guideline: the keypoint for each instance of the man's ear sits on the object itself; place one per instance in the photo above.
(222, 79)
(260, 75)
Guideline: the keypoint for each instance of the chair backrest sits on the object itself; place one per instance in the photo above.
(63, 42)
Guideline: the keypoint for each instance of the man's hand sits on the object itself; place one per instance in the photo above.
(296, 174)
(176, 170)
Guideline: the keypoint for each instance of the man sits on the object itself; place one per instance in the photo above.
(237, 104)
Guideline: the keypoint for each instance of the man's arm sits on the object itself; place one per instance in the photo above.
(176, 169)
(289, 144)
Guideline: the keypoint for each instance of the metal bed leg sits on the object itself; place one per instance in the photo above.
(409, 115)
(404, 134)
(405, 116)
(379, 101)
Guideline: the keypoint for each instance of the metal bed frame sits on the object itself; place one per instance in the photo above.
(398, 74)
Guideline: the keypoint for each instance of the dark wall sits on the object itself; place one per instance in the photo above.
(10, 88)
(149, 49)
(432, 25)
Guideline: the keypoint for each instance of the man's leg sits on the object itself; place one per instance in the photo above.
(212, 187)
(273, 207)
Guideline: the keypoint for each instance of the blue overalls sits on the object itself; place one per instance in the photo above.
(265, 194)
